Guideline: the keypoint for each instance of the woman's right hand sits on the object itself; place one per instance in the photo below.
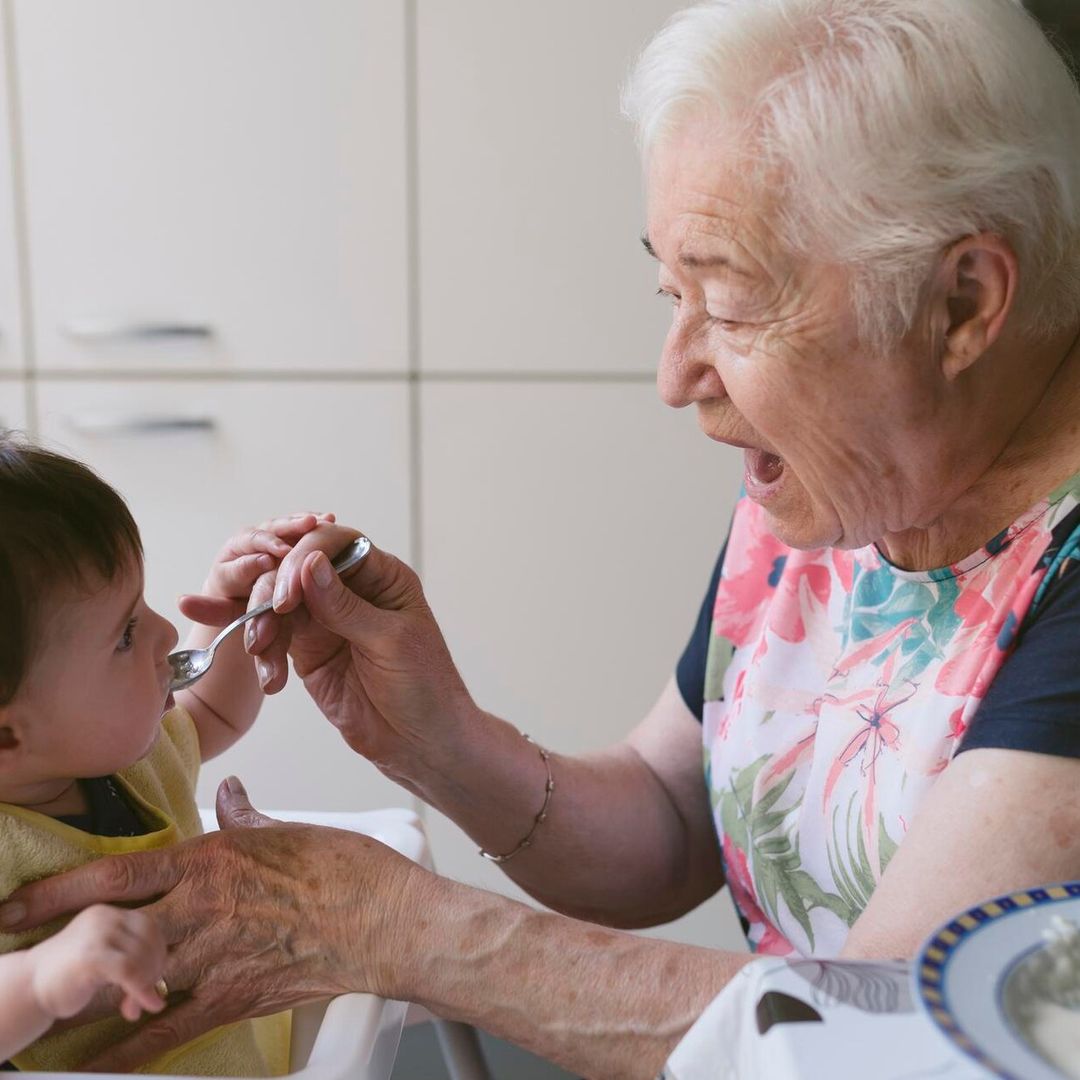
(368, 649)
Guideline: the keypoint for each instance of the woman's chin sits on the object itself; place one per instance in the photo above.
(794, 519)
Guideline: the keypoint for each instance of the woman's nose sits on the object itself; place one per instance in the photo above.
(685, 374)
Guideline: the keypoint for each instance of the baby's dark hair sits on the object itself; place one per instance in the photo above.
(60, 523)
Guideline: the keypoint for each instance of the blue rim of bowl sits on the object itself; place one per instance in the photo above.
(936, 953)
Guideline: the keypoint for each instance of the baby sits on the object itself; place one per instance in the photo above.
(96, 756)
(102, 946)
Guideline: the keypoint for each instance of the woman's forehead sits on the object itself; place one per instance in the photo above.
(701, 200)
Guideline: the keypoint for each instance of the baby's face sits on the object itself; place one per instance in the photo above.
(96, 690)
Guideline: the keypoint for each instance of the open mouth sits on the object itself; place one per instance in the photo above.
(169, 702)
(764, 471)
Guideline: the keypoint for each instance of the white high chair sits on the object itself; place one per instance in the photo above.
(356, 1036)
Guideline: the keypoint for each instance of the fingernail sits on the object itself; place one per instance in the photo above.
(232, 785)
(321, 571)
(265, 672)
(12, 914)
(281, 592)
(250, 634)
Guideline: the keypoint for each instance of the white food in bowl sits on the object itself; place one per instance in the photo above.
(1042, 997)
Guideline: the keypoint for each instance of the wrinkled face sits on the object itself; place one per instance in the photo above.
(94, 696)
(841, 447)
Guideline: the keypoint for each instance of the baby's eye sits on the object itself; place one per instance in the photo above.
(127, 639)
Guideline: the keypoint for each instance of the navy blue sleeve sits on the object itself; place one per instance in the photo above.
(690, 671)
(1034, 701)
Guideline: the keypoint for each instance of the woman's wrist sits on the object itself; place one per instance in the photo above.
(425, 761)
(381, 944)
(475, 764)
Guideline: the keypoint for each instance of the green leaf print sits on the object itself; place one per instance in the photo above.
(716, 664)
(732, 824)
(861, 866)
(886, 844)
(776, 845)
(769, 799)
(757, 828)
(853, 875)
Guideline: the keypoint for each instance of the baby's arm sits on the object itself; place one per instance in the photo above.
(101, 946)
(226, 700)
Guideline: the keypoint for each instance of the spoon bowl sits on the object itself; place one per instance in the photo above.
(190, 665)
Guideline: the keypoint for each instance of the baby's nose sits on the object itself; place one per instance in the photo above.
(168, 636)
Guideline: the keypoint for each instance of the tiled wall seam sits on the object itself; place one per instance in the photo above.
(27, 340)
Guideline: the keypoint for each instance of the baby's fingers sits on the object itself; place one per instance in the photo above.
(235, 577)
(142, 1000)
(292, 526)
(134, 964)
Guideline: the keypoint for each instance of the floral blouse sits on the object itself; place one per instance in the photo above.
(834, 687)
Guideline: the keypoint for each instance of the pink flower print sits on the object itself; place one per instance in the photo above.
(877, 732)
(801, 584)
(970, 672)
(737, 876)
(844, 565)
(765, 579)
(746, 587)
(869, 649)
(792, 759)
(957, 724)
(973, 608)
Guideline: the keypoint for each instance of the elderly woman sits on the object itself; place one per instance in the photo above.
(866, 214)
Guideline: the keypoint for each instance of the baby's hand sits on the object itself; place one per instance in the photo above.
(102, 946)
(244, 559)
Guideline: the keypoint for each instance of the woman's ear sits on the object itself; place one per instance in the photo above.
(977, 287)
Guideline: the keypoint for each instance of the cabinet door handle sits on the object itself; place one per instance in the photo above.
(95, 425)
(104, 329)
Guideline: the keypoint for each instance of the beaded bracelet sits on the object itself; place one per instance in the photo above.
(549, 787)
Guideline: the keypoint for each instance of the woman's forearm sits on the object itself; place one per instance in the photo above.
(599, 1002)
(618, 845)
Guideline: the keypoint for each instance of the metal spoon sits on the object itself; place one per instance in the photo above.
(190, 665)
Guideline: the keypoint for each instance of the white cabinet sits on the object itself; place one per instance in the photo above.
(530, 194)
(215, 186)
(12, 351)
(569, 531)
(196, 460)
(13, 413)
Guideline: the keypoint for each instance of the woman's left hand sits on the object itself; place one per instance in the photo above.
(259, 917)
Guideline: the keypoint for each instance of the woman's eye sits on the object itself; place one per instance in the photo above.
(673, 297)
(127, 639)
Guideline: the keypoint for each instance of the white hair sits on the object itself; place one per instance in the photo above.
(896, 127)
